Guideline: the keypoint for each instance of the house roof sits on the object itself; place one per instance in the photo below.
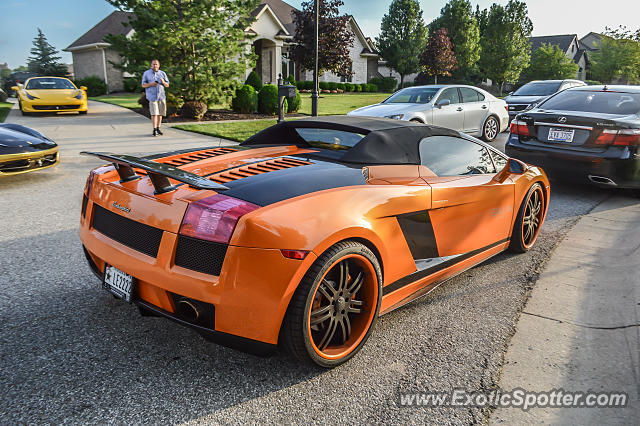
(562, 41)
(116, 23)
(282, 10)
(591, 43)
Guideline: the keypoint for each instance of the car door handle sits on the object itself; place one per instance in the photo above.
(484, 107)
(459, 109)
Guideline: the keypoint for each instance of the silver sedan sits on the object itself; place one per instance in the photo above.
(464, 108)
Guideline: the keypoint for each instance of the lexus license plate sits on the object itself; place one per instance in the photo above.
(119, 283)
(560, 135)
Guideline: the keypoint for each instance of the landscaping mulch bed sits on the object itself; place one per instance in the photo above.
(213, 115)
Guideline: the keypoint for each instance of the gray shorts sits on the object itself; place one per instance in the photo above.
(158, 107)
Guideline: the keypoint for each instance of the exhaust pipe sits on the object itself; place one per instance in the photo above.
(600, 180)
(187, 310)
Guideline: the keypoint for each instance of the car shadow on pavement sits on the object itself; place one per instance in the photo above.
(71, 352)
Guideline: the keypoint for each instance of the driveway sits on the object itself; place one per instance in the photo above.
(73, 354)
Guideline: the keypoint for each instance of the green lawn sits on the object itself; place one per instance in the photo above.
(126, 100)
(340, 103)
(234, 131)
(4, 110)
(328, 104)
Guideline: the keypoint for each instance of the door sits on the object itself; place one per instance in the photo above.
(452, 115)
(476, 109)
(470, 209)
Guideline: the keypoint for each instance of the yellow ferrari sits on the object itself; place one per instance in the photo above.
(51, 94)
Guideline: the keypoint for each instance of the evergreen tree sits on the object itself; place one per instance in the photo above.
(201, 44)
(43, 59)
(458, 18)
(402, 37)
(334, 38)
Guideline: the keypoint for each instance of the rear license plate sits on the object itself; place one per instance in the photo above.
(119, 283)
(559, 135)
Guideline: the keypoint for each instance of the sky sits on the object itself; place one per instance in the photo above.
(63, 21)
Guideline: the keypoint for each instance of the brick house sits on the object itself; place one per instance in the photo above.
(271, 35)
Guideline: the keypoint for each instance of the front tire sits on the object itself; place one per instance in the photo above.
(529, 220)
(490, 129)
(333, 310)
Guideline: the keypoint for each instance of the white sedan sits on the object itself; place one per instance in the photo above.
(464, 108)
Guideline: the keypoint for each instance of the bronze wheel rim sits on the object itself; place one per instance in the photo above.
(342, 307)
(532, 218)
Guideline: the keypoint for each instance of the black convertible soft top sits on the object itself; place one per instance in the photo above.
(386, 141)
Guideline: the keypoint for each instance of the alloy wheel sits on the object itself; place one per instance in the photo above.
(490, 129)
(532, 218)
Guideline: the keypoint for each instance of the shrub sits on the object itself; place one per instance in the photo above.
(384, 84)
(144, 103)
(132, 85)
(268, 99)
(333, 86)
(299, 85)
(308, 85)
(348, 87)
(245, 100)
(373, 87)
(95, 85)
(174, 103)
(294, 103)
(592, 82)
(254, 80)
(357, 87)
(341, 86)
(323, 85)
(3, 96)
(194, 109)
(291, 79)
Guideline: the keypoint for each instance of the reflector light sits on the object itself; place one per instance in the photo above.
(214, 218)
(519, 128)
(294, 254)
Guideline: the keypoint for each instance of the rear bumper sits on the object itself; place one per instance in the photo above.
(250, 297)
(619, 168)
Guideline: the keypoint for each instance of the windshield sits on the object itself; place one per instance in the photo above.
(537, 89)
(49, 83)
(412, 95)
(602, 102)
(330, 139)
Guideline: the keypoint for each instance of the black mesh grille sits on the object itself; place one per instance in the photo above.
(138, 236)
(56, 107)
(200, 255)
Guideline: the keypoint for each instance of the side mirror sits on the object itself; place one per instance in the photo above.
(510, 93)
(443, 102)
(83, 88)
(15, 88)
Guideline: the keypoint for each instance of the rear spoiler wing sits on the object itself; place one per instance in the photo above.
(158, 173)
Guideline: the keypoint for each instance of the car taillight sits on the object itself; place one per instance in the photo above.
(294, 254)
(624, 137)
(214, 218)
(520, 128)
(92, 176)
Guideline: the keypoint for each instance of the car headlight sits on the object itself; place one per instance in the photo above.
(30, 96)
(395, 116)
(79, 95)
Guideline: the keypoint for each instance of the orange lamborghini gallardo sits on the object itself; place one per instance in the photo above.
(307, 231)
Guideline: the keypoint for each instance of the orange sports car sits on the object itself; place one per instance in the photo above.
(307, 231)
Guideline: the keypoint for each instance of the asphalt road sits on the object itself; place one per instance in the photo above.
(72, 354)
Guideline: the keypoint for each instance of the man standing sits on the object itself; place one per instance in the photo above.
(154, 81)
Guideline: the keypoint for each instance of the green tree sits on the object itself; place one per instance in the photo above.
(438, 57)
(458, 18)
(618, 57)
(550, 63)
(201, 44)
(402, 37)
(43, 59)
(506, 49)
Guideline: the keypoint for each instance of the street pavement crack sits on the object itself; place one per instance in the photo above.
(577, 324)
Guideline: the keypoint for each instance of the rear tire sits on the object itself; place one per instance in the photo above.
(333, 310)
(529, 220)
(490, 129)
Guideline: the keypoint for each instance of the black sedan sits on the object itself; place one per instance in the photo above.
(24, 150)
(589, 133)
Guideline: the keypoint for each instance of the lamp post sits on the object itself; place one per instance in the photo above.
(314, 93)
